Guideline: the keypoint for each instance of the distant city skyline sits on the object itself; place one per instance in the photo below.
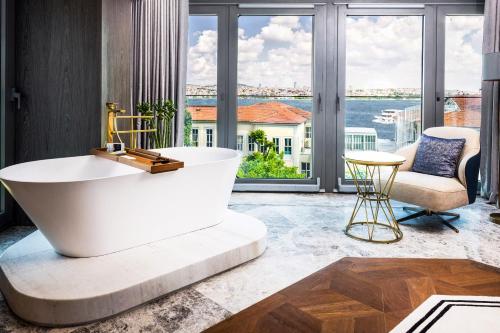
(276, 51)
(247, 90)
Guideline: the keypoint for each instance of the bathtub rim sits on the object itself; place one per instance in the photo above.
(132, 170)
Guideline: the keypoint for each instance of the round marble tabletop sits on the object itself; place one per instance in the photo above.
(373, 158)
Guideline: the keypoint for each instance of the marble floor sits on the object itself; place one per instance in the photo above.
(305, 233)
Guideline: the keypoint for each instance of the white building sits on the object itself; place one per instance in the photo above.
(360, 138)
(288, 127)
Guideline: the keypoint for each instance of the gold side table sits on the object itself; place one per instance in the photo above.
(374, 194)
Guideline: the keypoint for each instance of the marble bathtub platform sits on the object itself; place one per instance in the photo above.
(305, 233)
(48, 289)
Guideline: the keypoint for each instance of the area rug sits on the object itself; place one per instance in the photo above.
(454, 314)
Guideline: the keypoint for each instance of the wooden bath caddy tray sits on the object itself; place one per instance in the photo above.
(143, 159)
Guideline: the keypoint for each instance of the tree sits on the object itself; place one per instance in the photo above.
(188, 125)
(266, 164)
(259, 136)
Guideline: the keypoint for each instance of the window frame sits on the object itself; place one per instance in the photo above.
(251, 144)
(343, 184)
(307, 170)
(328, 74)
(318, 13)
(222, 14)
(308, 132)
(285, 146)
(239, 145)
(442, 13)
(197, 136)
(228, 15)
(207, 136)
(277, 146)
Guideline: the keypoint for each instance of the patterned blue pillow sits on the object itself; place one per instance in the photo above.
(438, 156)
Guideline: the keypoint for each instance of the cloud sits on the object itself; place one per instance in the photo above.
(463, 55)
(382, 52)
(202, 59)
(284, 57)
(249, 48)
(385, 52)
(280, 54)
(280, 28)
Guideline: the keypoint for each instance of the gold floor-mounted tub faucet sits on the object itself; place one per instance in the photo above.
(112, 128)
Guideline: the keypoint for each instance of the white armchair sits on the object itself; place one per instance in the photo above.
(436, 195)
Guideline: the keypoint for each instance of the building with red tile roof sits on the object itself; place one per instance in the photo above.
(260, 113)
(287, 126)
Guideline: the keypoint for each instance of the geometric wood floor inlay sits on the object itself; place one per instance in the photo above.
(362, 295)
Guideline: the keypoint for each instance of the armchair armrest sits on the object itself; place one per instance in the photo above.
(468, 173)
(408, 152)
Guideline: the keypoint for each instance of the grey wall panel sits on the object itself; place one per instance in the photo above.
(58, 58)
(116, 56)
(7, 107)
(71, 57)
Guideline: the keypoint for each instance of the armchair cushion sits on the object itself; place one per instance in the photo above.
(471, 149)
(438, 156)
(429, 191)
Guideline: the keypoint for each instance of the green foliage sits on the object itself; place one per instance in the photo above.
(259, 137)
(268, 164)
(145, 109)
(257, 165)
(163, 111)
(188, 125)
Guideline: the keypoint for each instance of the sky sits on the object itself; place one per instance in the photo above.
(381, 52)
(463, 55)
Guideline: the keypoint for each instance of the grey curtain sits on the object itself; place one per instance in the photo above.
(490, 109)
(159, 55)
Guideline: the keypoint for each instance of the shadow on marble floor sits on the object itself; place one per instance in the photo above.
(305, 233)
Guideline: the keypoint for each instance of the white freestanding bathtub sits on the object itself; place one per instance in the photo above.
(89, 206)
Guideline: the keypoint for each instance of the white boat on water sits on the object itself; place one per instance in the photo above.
(387, 116)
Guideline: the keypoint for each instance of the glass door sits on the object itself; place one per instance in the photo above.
(201, 88)
(460, 32)
(275, 96)
(380, 83)
(206, 83)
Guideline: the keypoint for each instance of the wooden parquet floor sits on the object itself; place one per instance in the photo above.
(362, 295)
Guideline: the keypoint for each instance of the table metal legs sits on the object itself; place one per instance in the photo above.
(373, 203)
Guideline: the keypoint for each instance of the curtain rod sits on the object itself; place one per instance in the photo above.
(336, 2)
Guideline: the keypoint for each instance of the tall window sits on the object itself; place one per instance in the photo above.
(377, 103)
(251, 145)
(262, 148)
(308, 132)
(383, 97)
(275, 90)
(305, 168)
(288, 146)
(462, 71)
(201, 87)
(276, 142)
(210, 137)
(239, 143)
(383, 81)
(194, 137)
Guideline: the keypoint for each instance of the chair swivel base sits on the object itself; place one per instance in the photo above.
(417, 212)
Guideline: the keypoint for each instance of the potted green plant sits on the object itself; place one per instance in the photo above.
(162, 112)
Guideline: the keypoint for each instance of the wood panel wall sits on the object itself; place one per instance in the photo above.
(116, 55)
(71, 57)
(58, 67)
